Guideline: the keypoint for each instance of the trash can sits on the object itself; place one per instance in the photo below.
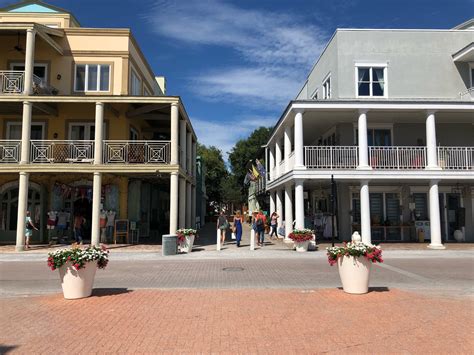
(170, 244)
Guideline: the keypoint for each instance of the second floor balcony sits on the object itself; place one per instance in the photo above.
(13, 82)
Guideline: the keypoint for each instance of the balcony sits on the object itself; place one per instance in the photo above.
(13, 82)
(82, 152)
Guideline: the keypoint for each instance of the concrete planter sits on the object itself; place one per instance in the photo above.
(77, 283)
(354, 273)
(187, 245)
(302, 246)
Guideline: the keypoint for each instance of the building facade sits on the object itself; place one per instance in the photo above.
(390, 115)
(86, 127)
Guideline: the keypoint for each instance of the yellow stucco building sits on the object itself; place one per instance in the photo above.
(86, 127)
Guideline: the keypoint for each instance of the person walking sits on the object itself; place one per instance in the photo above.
(78, 222)
(238, 221)
(260, 222)
(222, 225)
(29, 226)
(274, 225)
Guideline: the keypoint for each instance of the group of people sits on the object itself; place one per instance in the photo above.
(258, 222)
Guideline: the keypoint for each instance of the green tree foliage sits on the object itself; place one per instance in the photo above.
(246, 150)
(231, 193)
(216, 171)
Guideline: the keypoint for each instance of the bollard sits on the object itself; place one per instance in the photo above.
(218, 244)
(170, 244)
(252, 239)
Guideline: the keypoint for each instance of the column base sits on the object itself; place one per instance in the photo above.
(436, 246)
(433, 168)
(364, 167)
(20, 248)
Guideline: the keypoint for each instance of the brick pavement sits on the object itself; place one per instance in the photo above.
(238, 322)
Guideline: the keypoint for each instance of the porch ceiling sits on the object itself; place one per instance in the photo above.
(16, 108)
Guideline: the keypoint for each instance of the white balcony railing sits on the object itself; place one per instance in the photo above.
(55, 151)
(10, 151)
(136, 152)
(405, 158)
(12, 82)
(456, 158)
(331, 157)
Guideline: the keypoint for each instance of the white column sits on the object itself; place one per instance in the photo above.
(182, 143)
(193, 206)
(99, 132)
(299, 161)
(272, 202)
(299, 203)
(363, 144)
(435, 219)
(278, 172)
(182, 203)
(174, 136)
(279, 206)
(271, 168)
(432, 156)
(189, 152)
(287, 142)
(173, 203)
(365, 212)
(288, 211)
(26, 132)
(252, 239)
(96, 191)
(188, 205)
(29, 61)
(22, 207)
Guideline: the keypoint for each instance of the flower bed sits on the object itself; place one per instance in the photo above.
(183, 233)
(301, 235)
(370, 252)
(78, 257)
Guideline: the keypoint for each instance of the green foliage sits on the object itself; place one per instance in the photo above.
(231, 192)
(216, 171)
(78, 257)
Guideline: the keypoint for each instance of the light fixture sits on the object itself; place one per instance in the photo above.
(58, 76)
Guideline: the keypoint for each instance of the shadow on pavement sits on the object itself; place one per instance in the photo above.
(379, 289)
(101, 292)
(5, 349)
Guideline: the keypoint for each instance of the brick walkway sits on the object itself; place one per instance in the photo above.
(237, 321)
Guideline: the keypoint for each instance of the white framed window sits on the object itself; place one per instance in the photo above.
(135, 84)
(378, 134)
(83, 131)
(92, 78)
(315, 95)
(327, 87)
(14, 130)
(371, 80)
(39, 69)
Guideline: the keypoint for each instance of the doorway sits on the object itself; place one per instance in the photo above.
(83, 206)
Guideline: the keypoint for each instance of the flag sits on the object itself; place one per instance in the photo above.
(260, 167)
(251, 175)
(247, 179)
(255, 172)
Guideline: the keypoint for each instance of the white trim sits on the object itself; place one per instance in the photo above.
(315, 94)
(43, 65)
(471, 74)
(463, 52)
(86, 78)
(371, 66)
(327, 79)
(17, 123)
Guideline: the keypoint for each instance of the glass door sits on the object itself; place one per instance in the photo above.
(14, 131)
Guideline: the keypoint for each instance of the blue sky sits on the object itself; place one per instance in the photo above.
(236, 64)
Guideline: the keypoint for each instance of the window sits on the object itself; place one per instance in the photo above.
(376, 137)
(83, 131)
(327, 88)
(371, 81)
(315, 95)
(136, 84)
(14, 130)
(472, 75)
(92, 77)
(40, 70)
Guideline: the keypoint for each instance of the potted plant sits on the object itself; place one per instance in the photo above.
(186, 239)
(354, 260)
(77, 268)
(301, 239)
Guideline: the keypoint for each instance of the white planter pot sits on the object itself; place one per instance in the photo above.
(354, 273)
(302, 246)
(77, 283)
(187, 245)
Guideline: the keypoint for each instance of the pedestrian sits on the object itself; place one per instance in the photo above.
(238, 221)
(78, 223)
(29, 226)
(222, 225)
(274, 225)
(260, 222)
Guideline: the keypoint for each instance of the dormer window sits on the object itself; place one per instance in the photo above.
(327, 88)
(371, 80)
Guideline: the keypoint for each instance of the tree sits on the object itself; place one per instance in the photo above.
(216, 171)
(244, 153)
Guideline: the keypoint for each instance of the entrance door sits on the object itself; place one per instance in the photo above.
(81, 131)
(453, 203)
(83, 206)
(14, 131)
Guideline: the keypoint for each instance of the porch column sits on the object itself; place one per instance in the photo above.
(278, 172)
(173, 202)
(29, 61)
(22, 207)
(365, 212)
(189, 152)
(279, 206)
(288, 211)
(182, 143)
(299, 161)
(182, 203)
(174, 136)
(99, 132)
(271, 167)
(188, 205)
(272, 202)
(363, 144)
(287, 151)
(193, 206)
(26, 132)
(194, 156)
(299, 203)
(432, 156)
(435, 219)
(96, 191)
